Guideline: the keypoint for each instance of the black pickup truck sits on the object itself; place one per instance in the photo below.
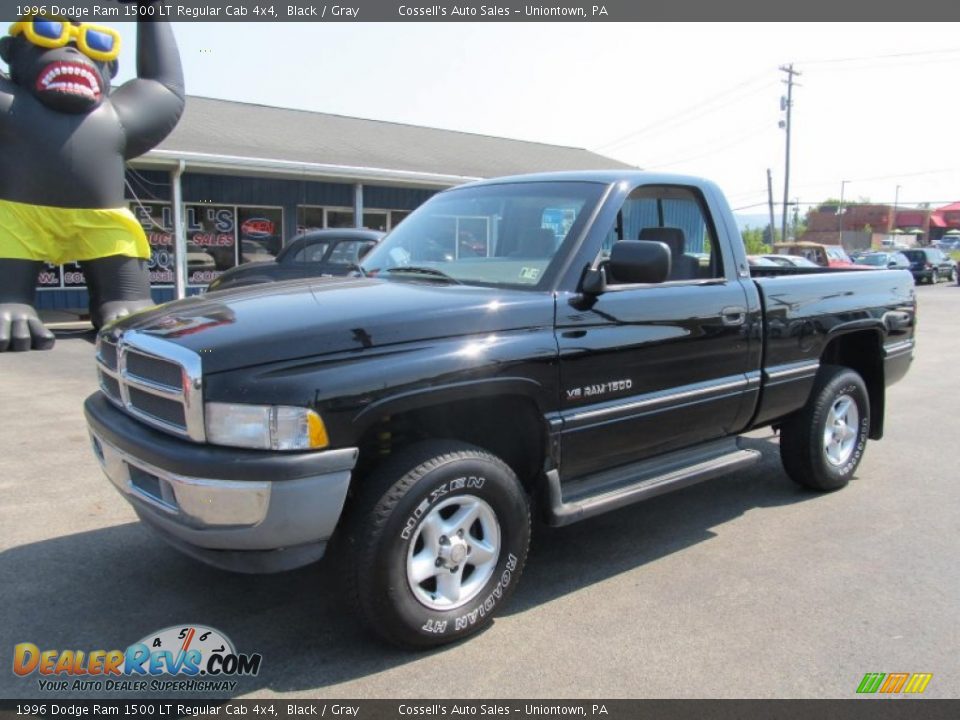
(567, 342)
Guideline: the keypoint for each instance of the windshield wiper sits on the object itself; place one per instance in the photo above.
(420, 270)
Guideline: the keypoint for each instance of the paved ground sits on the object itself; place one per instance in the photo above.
(743, 587)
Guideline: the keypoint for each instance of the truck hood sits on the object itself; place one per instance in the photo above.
(266, 323)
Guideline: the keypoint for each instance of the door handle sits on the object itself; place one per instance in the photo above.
(733, 315)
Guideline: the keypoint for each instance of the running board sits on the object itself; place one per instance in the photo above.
(628, 484)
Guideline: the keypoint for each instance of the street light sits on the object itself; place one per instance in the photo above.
(843, 184)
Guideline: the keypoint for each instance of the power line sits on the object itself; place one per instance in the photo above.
(912, 206)
(942, 51)
(740, 139)
(698, 106)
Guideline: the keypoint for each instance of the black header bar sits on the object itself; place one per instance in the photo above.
(855, 11)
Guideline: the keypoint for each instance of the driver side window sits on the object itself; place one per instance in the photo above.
(677, 217)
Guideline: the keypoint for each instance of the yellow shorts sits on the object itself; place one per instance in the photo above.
(60, 235)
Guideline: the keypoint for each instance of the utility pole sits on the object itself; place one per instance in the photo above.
(787, 105)
(843, 184)
(773, 227)
(893, 220)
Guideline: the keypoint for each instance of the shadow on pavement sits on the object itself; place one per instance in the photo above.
(107, 588)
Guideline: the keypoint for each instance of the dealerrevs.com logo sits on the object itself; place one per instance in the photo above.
(181, 658)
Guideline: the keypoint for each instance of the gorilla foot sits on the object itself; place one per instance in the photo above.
(115, 309)
(21, 329)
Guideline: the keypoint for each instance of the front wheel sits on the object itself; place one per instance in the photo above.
(438, 541)
(822, 444)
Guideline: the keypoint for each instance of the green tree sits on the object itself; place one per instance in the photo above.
(753, 241)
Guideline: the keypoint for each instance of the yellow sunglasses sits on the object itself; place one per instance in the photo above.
(97, 42)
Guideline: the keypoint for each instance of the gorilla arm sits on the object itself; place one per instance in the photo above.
(150, 106)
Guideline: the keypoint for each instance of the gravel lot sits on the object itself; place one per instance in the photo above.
(746, 586)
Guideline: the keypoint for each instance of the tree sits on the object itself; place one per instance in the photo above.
(753, 240)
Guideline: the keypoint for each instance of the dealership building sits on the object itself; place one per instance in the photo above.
(234, 182)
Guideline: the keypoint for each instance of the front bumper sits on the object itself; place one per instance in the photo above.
(241, 510)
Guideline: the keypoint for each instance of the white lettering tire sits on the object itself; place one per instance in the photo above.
(822, 444)
(437, 540)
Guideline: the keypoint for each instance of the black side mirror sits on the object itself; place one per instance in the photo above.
(639, 261)
(631, 261)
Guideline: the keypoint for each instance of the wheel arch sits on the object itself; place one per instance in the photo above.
(502, 416)
(862, 350)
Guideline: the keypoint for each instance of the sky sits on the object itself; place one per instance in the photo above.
(876, 104)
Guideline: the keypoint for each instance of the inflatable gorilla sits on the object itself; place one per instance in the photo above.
(64, 139)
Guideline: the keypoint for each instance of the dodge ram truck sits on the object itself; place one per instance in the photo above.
(562, 344)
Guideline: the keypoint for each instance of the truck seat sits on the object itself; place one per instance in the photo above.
(682, 267)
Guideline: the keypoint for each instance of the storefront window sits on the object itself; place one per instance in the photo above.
(157, 222)
(309, 218)
(373, 219)
(211, 241)
(261, 233)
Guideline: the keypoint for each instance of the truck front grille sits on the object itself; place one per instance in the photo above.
(156, 381)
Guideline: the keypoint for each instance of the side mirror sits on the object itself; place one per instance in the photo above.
(639, 261)
(631, 261)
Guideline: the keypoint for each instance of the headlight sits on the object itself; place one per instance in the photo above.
(265, 427)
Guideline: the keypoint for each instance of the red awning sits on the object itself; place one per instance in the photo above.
(945, 216)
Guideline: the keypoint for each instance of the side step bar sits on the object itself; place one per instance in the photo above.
(625, 485)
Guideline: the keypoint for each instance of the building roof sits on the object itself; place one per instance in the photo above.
(233, 136)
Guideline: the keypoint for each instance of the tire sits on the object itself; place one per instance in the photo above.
(412, 578)
(819, 448)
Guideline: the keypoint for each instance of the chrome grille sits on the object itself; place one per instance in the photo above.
(156, 381)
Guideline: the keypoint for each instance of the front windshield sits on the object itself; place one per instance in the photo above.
(509, 235)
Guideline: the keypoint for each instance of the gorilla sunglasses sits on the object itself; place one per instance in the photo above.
(97, 42)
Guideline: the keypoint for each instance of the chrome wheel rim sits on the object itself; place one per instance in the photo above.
(453, 553)
(841, 430)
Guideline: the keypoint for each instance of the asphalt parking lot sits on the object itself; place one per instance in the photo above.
(746, 586)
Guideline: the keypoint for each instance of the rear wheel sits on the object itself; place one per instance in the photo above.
(822, 444)
(438, 541)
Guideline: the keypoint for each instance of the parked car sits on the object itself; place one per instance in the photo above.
(317, 253)
(761, 261)
(410, 420)
(818, 253)
(891, 260)
(253, 251)
(791, 261)
(930, 265)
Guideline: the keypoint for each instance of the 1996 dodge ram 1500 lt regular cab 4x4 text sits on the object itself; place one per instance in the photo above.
(571, 342)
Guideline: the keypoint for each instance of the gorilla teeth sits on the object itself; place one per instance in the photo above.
(70, 78)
